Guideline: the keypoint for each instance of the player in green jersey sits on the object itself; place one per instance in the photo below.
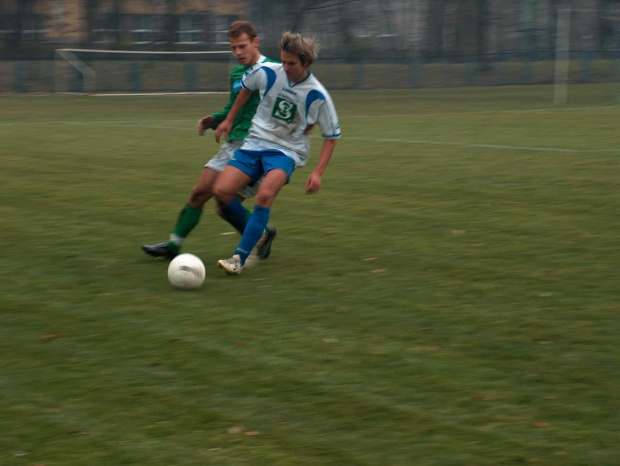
(244, 43)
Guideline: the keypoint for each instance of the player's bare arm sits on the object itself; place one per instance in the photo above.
(204, 124)
(314, 180)
(226, 126)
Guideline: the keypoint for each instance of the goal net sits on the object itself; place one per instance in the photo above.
(88, 71)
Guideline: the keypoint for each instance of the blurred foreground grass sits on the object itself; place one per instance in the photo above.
(449, 297)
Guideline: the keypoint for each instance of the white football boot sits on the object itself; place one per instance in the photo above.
(231, 266)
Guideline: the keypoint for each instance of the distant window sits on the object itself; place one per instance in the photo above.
(33, 28)
(148, 29)
(222, 23)
(106, 28)
(58, 14)
(7, 25)
(191, 29)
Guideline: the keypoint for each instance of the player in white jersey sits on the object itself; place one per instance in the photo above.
(285, 111)
(292, 99)
(244, 44)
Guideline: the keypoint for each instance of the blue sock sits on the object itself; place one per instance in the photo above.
(253, 231)
(235, 214)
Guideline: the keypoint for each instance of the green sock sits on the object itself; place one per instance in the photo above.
(188, 219)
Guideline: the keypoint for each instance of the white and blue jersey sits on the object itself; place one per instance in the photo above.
(286, 109)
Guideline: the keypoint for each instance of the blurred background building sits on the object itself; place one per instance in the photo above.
(480, 36)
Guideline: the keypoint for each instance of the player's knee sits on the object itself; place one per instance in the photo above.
(199, 196)
(264, 198)
(222, 194)
(201, 191)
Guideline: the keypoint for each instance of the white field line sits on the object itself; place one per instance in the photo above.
(191, 128)
(137, 123)
(483, 146)
(162, 94)
(578, 110)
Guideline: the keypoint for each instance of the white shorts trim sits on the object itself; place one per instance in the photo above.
(219, 160)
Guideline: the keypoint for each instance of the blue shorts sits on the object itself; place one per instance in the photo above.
(256, 163)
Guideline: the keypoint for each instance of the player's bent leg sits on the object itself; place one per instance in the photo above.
(279, 169)
(263, 247)
(262, 250)
(190, 215)
(270, 187)
(187, 219)
(203, 190)
(273, 181)
(254, 230)
(225, 189)
(228, 183)
(235, 214)
(163, 249)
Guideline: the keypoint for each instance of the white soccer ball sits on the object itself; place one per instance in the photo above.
(186, 272)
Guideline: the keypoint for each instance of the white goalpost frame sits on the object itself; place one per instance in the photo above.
(89, 76)
(562, 51)
(562, 56)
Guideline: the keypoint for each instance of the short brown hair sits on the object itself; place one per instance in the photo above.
(305, 48)
(242, 27)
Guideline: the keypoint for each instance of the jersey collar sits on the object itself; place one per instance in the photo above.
(290, 84)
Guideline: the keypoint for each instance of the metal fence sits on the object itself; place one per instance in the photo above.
(365, 44)
(127, 74)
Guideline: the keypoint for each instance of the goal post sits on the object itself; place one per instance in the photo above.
(90, 71)
(578, 58)
(65, 58)
(562, 56)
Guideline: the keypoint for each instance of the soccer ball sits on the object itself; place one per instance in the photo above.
(186, 272)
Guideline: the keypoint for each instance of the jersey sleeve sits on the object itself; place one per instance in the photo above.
(252, 79)
(221, 115)
(260, 79)
(321, 110)
(235, 78)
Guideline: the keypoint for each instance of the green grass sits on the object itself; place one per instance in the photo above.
(449, 297)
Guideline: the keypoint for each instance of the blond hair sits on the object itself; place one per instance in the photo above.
(306, 48)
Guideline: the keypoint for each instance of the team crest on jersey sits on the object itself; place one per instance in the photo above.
(284, 110)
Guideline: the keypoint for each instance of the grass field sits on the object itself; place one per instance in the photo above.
(449, 297)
